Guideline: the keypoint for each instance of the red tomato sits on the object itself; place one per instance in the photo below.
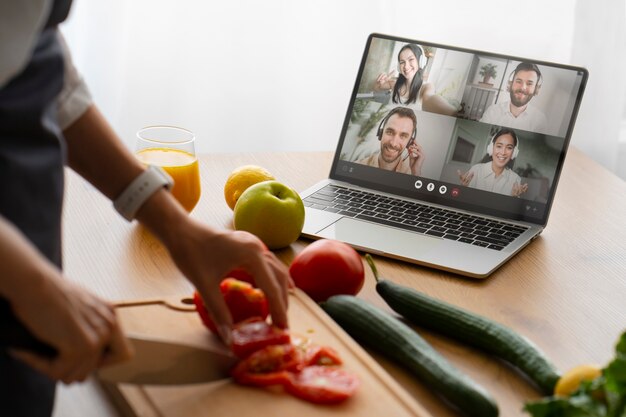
(323, 384)
(242, 300)
(267, 366)
(242, 275)
(254, 334)
(326, 268)
(321, 355)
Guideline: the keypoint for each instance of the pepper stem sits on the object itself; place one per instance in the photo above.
(370, 262)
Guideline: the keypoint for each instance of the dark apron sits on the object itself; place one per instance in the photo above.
(31, 190)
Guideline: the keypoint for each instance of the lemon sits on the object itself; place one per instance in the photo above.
(240, 179)
(570, 381)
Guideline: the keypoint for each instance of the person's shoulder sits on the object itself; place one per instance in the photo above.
(539, 114)
(491, 112)
(478, 167)
(513, 175)
(368, 160)
(427, 89)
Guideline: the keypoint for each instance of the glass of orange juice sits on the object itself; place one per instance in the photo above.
(173, 149)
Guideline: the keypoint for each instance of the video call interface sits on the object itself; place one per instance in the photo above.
(475, 131)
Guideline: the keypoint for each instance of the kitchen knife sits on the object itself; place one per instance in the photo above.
(161, 362)
(155, 362)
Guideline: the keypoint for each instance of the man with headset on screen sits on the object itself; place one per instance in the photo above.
(396, 132)
(495, 172)
(524, 84)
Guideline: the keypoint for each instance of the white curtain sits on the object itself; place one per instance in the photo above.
(277, 74)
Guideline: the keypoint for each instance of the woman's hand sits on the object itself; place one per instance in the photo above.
(386, 81)
(465, 177)
(206, 256)
(80, 326)
(519, 189)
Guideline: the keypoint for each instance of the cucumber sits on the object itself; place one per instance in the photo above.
(470, 329)
(397, 341)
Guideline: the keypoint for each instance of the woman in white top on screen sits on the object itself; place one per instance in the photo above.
(409, 86)
(496, 173)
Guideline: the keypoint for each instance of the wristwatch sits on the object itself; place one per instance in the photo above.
(140, 189)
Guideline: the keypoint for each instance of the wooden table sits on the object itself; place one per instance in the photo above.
(565, 291)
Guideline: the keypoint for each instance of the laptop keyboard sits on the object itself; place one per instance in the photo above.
(416, 217)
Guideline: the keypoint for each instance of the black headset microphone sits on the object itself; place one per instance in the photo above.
(381, 128)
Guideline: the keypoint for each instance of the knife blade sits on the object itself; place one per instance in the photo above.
(161, 362)
(155, 362)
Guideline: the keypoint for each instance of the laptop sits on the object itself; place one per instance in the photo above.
(448, 157)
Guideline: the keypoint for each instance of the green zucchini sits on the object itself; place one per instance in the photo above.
(470, 329)
(397, 341)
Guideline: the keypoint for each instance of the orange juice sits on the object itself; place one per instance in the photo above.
(182, 167)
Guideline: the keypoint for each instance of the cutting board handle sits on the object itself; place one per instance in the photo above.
(183, 304)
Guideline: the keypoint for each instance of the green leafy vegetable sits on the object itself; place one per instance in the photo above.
(603, 397)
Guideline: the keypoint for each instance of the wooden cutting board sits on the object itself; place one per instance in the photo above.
(378, 395)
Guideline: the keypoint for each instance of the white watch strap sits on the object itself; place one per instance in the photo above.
(140, 189)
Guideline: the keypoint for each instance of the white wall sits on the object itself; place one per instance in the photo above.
(600, 46)
(275, 75)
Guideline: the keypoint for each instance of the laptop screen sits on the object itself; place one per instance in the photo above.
(462, 128)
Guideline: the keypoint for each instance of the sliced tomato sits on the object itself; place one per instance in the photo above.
(268, 366)
(265, 379)
(202, 311)
(241, 275)
(243, 301)
(254, 334)
(321, 356)
(314, 354)
(323, 384)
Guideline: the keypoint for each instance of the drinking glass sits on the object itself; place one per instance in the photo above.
(172, 148)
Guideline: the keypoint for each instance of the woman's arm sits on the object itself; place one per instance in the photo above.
(79, 325)
(204, 254)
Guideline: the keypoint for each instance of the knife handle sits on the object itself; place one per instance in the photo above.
(15, 335)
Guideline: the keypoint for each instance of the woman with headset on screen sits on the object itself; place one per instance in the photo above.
(409, 86)
(495, 173)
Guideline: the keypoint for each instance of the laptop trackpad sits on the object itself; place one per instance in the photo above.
(380, 238)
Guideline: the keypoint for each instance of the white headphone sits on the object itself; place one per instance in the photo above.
(500, 133)
(421, 56)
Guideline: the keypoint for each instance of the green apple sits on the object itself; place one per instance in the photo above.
(272, 211)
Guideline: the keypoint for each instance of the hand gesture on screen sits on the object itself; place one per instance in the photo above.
(519, 189)
(416, 158)
(465, 177)
(386, 81)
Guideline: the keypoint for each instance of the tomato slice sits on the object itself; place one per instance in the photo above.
(323, 384)
(313, 354)
(254, 334)
(268, 366)
(243, 301)
(321, 355)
